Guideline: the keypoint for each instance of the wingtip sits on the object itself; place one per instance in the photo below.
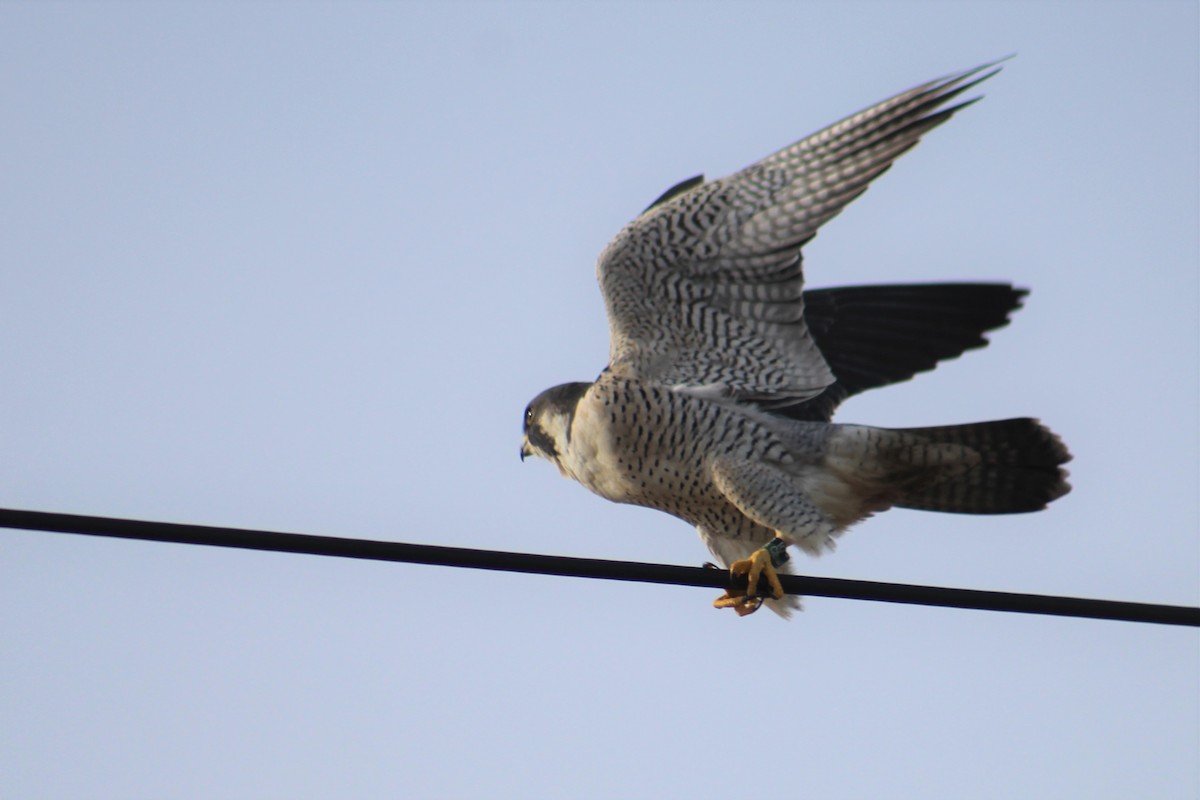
(960, 82)
(1020, 294)
(990, 68)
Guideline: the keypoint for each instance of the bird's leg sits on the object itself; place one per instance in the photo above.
(762, 563)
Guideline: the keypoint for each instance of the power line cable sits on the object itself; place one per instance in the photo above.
(590, 567)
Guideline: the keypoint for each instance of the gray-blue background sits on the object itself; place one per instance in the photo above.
(301, 266)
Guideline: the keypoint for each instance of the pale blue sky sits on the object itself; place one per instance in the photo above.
(301, 266)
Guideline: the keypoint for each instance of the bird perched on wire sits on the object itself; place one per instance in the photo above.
(724, 373)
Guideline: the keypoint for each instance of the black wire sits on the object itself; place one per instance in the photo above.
(590, 567)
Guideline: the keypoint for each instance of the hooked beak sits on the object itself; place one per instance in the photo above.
(525, 450)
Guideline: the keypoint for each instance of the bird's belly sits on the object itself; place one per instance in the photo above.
(620, 461)
(598, 461)
(625, 463)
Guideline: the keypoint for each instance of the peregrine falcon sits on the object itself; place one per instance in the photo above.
(724, 373)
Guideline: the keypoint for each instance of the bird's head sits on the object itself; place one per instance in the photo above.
(548, 420)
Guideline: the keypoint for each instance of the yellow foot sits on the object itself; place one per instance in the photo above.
(748, 598)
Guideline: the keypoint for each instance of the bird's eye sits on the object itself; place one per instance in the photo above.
(528, 416)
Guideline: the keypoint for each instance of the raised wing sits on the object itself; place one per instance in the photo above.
(704, 291)
(874, 336)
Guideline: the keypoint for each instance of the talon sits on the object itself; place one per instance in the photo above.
(761, 564)
(740, 603)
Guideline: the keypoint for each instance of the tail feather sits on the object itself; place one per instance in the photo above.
(1012, 466)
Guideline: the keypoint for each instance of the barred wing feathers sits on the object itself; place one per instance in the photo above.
(704, 291)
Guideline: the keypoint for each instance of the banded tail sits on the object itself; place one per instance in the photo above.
(1019, 469)
(1002, 467)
